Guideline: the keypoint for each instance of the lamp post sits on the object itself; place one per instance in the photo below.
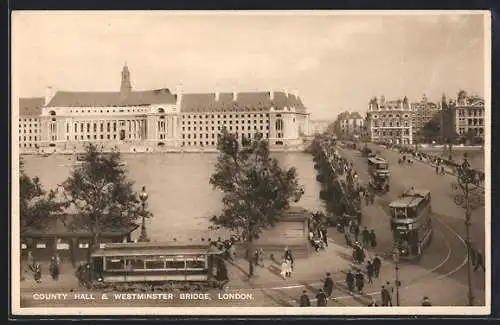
(467, 199)
(143, 196)
(395, 258)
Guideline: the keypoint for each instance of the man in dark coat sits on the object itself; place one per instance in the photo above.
(324, 235)
(360, 281)
(304, 300)
(366, 237)
(322, 299)
(479, 261)
(288, 256)
(384, 293)
(328, 285)
(54, 269)
(349, 280)
(356, 232)
(377, 263)
(373, 238)
(369, 272)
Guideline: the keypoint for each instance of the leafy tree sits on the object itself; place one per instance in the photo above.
(37, 206)
(101, 195)
(256, 189)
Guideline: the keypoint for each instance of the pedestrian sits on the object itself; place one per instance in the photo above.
(426, 302)
(349, 280)
(390, 289)
(284, 271)
(288, 268)
(289, 255)
(437, 169)
(377, 263)
(369, 272)
(442, 170)
(261, 257)
(324, 234)
(366, 237)
(384, 294)
(372, 303)
(256, 257)
(328, 285)
(88, 276)
(356, 232)
(321, 298)
(31, 261)
(38, 273)
(348, 240)
(373, 238)
(79, 275)
(54, 268)
(360, 281)
(479, 261)
(304, 299)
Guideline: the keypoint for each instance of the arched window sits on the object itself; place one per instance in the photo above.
(161, 110)
(52, 113)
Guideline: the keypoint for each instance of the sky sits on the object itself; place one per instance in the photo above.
(334, 61)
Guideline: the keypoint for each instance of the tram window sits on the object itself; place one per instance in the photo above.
(115, 263)
(155, 265)
(135, 264)
(399, 213)
(175, 264)
(195, 264)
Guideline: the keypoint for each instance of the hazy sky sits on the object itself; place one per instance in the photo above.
(335, 62)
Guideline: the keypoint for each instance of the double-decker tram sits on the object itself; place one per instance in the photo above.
(155, 266)
(378, 167)
(411, 222)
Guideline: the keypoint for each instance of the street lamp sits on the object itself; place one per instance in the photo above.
(143, 196)
(467, 199)
(395, 258)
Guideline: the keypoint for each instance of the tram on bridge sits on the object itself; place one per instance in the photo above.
(411, 223)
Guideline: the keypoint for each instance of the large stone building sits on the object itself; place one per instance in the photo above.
(469, 115)
(348, 125)
(423, 113)
(156, 120)
(390, 121)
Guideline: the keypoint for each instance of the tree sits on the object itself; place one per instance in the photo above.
(36, 207)
(256, 189)
(100, 193)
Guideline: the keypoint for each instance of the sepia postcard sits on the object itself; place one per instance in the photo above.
(251, 163)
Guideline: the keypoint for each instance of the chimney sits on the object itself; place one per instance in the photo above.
(285, 90)
(235, 96)
(296, 93)
(217, 94)
(178, 94)
(271, 95)
(49, 94)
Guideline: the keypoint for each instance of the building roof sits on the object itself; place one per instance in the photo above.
(243, 101)
(31, 106)
(109, 99)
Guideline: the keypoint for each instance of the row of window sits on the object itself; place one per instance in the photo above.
(226, 116)
(118, 264)
(30, 131)
(226, 122)
(28, 119)
(35, 125)
(390, 133)
(390, 124)
(25, 138)
(41, 244)
(107, 111)
(87, 127)
(261, 127)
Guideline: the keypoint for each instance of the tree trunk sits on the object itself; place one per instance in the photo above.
(250, 256)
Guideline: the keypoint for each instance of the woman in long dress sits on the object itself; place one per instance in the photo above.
(284, 266)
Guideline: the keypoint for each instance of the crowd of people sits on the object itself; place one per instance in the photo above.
(36, 269)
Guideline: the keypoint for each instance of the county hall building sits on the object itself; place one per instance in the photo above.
(157, 120)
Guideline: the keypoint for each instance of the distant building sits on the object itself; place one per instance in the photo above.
(155, 120)
(424, 112)
(318, 126)
(390, 121)
(349, 125)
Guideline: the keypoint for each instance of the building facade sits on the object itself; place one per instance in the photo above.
(390, 121)
(156, 120)
(349, 125)
(319, 126)
(423, 113)
(469, 115)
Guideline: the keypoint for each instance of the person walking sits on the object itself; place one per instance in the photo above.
(479, 261)
(31, 261)
(349, 280)
(360, 281)
(304, 299)
(324, 235)
(328, 285)
(426, 302)
(437, 169)
(79, 275)
(365, 235)
(38, 273)
(384, 294)
(284, 266)
(390, 289)
(373, 238)
(54, 269)
(356, 232)
(377, 263)
(289, 268)
(321, 298)
(261, 258)
(289, 256)
(369, 272)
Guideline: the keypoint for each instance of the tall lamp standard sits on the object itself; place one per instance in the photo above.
(467, 198)
(395, 258)
(143, 196)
